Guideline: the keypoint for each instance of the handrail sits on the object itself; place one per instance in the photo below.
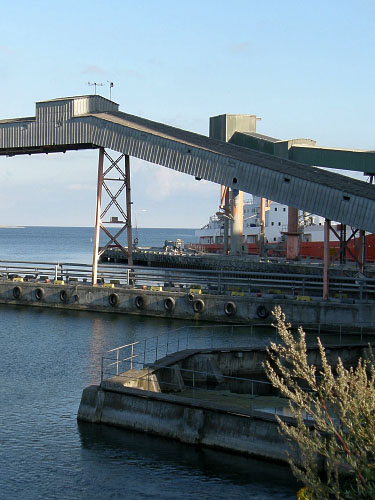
(210, 281)
(246, 275)
(198, 372)
(123, 346)
(157, 347)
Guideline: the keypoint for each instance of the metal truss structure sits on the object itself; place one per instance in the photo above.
(344, 249)
(114, 180)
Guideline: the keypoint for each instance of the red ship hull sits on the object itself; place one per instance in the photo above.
(307, 249)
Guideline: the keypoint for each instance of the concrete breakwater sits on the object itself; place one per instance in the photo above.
(187, 304)
(212, 397)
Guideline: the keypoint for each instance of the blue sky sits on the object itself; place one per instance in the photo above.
(306, 68)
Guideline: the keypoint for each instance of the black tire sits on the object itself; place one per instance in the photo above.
(39, 294)
(198, 306)
(64, 296)
(113, 299)
(17, 292)
(263, 312)
(140, 302)
(169, 304)
(230, 308)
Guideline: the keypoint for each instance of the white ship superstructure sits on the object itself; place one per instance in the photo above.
(276, 223)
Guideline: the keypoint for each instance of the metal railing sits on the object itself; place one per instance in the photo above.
(65, 271)
(203, 386)
(214, 282)
(193, 380)
(147, 351)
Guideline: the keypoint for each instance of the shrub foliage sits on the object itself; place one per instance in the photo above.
(334, 411)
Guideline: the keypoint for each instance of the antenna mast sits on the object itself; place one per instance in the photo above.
(111, 85)
(94, 84)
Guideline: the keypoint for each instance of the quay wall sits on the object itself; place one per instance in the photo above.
(136, 400)
(246, 432)
(184, 305)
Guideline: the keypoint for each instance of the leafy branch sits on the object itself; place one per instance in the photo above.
(334, 412)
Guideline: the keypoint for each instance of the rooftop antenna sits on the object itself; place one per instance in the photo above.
(94, 84)
(111, 85)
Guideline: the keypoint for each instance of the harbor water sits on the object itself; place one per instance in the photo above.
(48, 356)
(73, 244)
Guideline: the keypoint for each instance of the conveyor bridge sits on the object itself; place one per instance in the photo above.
(95, 122)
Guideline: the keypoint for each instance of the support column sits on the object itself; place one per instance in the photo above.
(326, 260)
(114, 179)
(343, 243)
(262, 229)
(292, 234)
(128, 211)
(362, 250)
(237, 225)
(97, 217)
(226, 221)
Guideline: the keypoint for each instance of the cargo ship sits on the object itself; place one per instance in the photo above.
(210, 237)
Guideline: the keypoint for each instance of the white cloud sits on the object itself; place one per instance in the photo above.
(81, 187)
(159, 183)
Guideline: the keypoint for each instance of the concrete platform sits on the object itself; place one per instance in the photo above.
(228, 405)
(189, 421)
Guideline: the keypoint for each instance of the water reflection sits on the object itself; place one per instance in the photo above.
(154, 456)
(47, 357)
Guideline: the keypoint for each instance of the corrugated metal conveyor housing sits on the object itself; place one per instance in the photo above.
(93, 121)
(311, 189)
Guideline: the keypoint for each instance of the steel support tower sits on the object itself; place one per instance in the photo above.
(114, 179)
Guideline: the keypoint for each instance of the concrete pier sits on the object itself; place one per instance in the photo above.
(223, 406)
(230, 307)
(247, 432)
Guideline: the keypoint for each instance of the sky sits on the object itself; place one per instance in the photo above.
(305, 67)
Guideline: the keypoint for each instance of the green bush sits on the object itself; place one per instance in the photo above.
(340, 404)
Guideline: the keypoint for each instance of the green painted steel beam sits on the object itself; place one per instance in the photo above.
(343, 159)
(359, 161)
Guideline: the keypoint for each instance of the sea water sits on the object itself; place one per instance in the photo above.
(73, 244)
(48, 356)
